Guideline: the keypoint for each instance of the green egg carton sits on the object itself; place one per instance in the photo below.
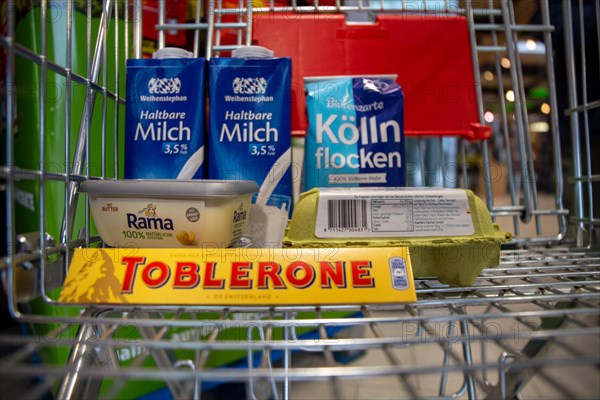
(454, 260)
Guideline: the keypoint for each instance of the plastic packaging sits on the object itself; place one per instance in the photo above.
(430, 52)
(356, 132)
(172, 52)
(170, 213)
(252, 52)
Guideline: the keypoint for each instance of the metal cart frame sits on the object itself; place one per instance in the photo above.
(521, 324)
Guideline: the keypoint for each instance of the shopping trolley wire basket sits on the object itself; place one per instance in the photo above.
(527, 328)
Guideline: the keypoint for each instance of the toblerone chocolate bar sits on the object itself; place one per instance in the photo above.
(224, 276)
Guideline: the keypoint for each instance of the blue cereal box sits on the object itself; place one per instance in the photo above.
(165, 124)
(355, 136)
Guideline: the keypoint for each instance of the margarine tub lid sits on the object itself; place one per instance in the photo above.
(168, 187)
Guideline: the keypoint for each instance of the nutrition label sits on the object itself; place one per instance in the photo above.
(393, 213)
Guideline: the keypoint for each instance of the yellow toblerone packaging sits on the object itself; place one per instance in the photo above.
(225, 276)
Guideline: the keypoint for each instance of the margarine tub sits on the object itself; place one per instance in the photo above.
(449, 232)
(170, 213)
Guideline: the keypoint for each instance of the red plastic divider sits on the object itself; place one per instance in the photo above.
(431, 55)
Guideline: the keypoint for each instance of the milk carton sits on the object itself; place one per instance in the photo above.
(356, 132)
(164, 135)
(249, 126)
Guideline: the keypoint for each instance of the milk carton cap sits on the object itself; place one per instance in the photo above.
(252, 52)
(172, 52)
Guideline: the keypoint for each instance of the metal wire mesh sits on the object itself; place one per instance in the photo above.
(534, 320)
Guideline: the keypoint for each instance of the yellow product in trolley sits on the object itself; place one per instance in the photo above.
(241, 276)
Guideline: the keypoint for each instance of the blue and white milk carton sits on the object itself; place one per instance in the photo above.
(165, 123)
(249, 123)
(355, 136)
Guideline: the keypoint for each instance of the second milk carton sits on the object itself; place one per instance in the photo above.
(249, 122)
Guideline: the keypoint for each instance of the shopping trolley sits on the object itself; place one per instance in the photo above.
(527, 328)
